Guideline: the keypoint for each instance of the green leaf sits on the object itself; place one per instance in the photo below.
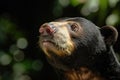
(74, 2)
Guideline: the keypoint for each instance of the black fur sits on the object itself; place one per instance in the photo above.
(93, 49)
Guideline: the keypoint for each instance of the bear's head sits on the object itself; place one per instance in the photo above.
(72, 41)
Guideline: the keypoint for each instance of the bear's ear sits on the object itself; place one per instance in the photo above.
(110, 34)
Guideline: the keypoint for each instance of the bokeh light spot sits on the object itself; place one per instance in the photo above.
(22, 77)
(18, 55)
(37, 65)
(112, 19)
(18, 68)
(13, 48)
(90, 6)
(64, 3)
(5, 59)
(22, 43)
(113, 3)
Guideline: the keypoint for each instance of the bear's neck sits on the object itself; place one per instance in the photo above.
(99, 66)
(82, 73)
(94, 72)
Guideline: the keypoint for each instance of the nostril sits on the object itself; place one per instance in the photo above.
(49, 30)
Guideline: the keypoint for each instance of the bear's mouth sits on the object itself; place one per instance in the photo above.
(54, 44)
(48, 42)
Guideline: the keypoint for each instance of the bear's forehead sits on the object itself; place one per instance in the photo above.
(58, 23)
(61, 23)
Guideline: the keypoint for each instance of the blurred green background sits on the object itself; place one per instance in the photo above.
(20, 56)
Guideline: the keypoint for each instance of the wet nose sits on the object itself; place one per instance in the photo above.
(47, 29)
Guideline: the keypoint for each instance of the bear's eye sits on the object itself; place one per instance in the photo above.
(74, 27)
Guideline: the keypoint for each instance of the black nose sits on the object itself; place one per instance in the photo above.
(47, 29)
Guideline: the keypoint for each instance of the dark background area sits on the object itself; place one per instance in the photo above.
(27, 16)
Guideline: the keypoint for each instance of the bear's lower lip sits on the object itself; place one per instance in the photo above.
(47, 42)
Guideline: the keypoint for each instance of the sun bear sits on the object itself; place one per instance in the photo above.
(79, 50)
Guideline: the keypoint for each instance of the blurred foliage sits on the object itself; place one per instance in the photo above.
(13, 62)
(14, 42)
(96, 10)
